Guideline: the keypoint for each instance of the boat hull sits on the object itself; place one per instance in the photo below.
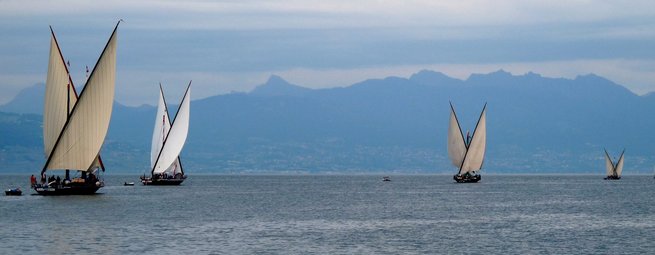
(162, 182)
(66, 190)
(612, 178)
(13, 192)
(467, 178)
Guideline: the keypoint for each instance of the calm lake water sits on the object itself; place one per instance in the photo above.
(232, 214)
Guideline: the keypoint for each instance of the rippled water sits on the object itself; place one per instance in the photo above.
(337, 215)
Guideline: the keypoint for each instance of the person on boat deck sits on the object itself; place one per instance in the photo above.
(58, 180)
(43, 178)
(468, 138)
(32, 181)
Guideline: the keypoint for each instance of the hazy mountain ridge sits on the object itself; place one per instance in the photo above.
(535, 123)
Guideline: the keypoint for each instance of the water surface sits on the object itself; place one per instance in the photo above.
(232, 214)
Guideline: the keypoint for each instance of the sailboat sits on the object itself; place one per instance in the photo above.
(467, 154)
(74, 128)
(168, 138)
(613, 169)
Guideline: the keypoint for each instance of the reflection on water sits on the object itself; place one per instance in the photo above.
(337, 214)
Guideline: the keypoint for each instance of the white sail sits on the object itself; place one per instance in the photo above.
(609, 165)
(174, 142)
(82, 137)
(476, 149)
(175, 168)
(162, 126)
(160, 132)
(456, 144)
(619, 166)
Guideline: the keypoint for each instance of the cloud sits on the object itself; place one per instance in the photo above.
(234, 45)
(318, 14)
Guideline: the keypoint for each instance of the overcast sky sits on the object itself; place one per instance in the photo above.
(234, 45)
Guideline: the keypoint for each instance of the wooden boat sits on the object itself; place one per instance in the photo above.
(128, 184)
(168, 139)
(613, 170)
(386, 179)
(467, 154)
(74, 128)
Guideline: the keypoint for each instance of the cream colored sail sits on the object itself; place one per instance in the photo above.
(56, 97)
(619, 165)
(173, 143)
(82, 137)
(609, 165)
(456, 144)
(476, 149)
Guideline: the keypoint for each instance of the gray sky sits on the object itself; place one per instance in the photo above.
(234, 45)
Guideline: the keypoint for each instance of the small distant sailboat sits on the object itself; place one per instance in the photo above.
(467, 155)
(613, 169)
(74, 128)
(168, 138)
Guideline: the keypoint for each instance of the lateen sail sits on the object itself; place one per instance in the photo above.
(56, 94)
(476, 149)
(609, 165)
(80, 139)
(162, 126)
(173, 142)
(619, 165)
(456, 144)
(60, 93)
(159, 134)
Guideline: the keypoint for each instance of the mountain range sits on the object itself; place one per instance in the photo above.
(535, 124)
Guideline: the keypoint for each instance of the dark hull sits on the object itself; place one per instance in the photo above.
(84, 189)
(612, 178)
(163, 182)
(13, 192)
(467, 178)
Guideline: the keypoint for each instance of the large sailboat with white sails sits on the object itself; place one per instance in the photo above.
(467, 154)
(168, 138)
(74, 128)
(612, 169)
